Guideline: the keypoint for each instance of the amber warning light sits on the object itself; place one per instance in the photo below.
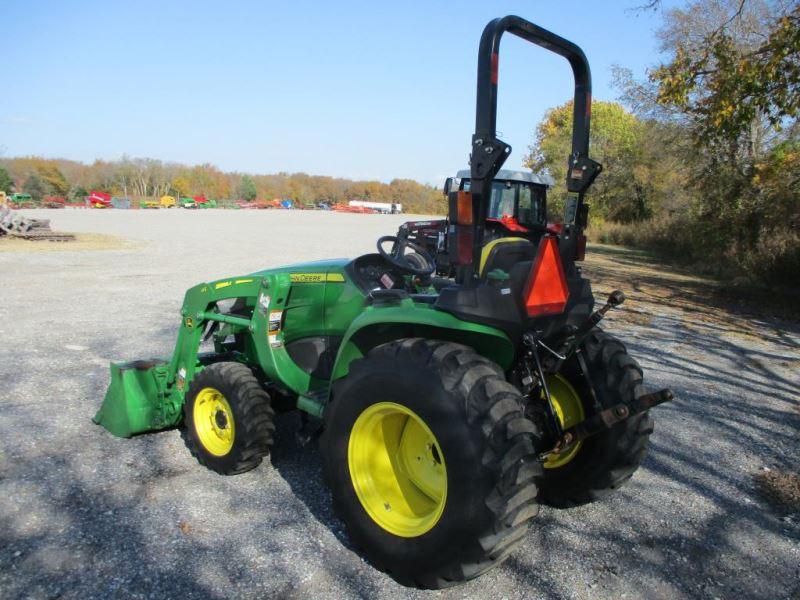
(464, 220)
(546, 291)
(464, 208)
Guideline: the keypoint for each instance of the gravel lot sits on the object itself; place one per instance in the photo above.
(87, 515)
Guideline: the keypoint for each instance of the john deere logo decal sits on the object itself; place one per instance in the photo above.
(307, 277)
(316, 277)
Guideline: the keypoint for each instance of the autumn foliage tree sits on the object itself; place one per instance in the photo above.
(743, 71)
(618, 139)
(732, 82)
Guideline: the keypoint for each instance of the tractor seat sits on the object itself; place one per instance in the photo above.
(440, 282)
(425, 298)
(504, 253)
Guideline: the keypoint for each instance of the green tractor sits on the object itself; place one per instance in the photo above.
(446, 412)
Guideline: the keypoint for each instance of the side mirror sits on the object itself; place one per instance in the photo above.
(448, 185)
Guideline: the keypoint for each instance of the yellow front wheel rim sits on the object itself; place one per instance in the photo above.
(397, 469)
(569, 410)
(213, 421)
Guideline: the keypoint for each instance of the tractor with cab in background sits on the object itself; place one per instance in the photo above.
(517, 207)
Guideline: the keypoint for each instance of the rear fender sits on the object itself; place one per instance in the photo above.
(378, 325)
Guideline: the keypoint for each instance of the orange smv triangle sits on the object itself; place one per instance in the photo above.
(546, 290)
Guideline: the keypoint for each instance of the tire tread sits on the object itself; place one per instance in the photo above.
(255, 423)
(494, 410)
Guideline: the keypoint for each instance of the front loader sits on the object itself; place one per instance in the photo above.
(446, 411)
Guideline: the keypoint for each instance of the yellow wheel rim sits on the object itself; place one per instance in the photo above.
(569, 410)
(213, 421)
(397, 469)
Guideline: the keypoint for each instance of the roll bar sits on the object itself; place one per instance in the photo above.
(489, 153)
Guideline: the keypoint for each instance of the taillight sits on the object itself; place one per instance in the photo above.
(464, 242)
(580, 247)
(464, 208)
(461, 219)
(546, 290)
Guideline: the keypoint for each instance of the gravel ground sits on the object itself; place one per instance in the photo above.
(87, 515)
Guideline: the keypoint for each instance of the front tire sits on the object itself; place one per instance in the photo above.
(228, 420)
(430, 461)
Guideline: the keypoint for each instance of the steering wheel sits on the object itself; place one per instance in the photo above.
(409, 263)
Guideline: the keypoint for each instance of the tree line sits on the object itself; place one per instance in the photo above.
(702, 158)
(141, 178)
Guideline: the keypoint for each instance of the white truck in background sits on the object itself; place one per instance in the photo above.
(386, 208)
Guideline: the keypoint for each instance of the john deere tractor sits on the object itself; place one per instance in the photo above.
(447, 413)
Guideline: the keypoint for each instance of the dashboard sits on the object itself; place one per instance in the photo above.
(370, 272)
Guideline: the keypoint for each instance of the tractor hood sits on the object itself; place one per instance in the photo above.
(333, 265)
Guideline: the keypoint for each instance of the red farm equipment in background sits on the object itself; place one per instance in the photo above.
(99, 200)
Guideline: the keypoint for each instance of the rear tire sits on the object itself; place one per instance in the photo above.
(607, 460)
(486, 446)
(228, 420)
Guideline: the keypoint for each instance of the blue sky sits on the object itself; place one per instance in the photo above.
(371, 90)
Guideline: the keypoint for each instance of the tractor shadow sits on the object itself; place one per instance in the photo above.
(301, 467)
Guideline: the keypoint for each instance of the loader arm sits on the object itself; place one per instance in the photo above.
(149, 395)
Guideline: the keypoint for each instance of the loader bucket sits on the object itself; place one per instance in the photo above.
(134, 401)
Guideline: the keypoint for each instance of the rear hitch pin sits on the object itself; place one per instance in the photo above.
(550, 350)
